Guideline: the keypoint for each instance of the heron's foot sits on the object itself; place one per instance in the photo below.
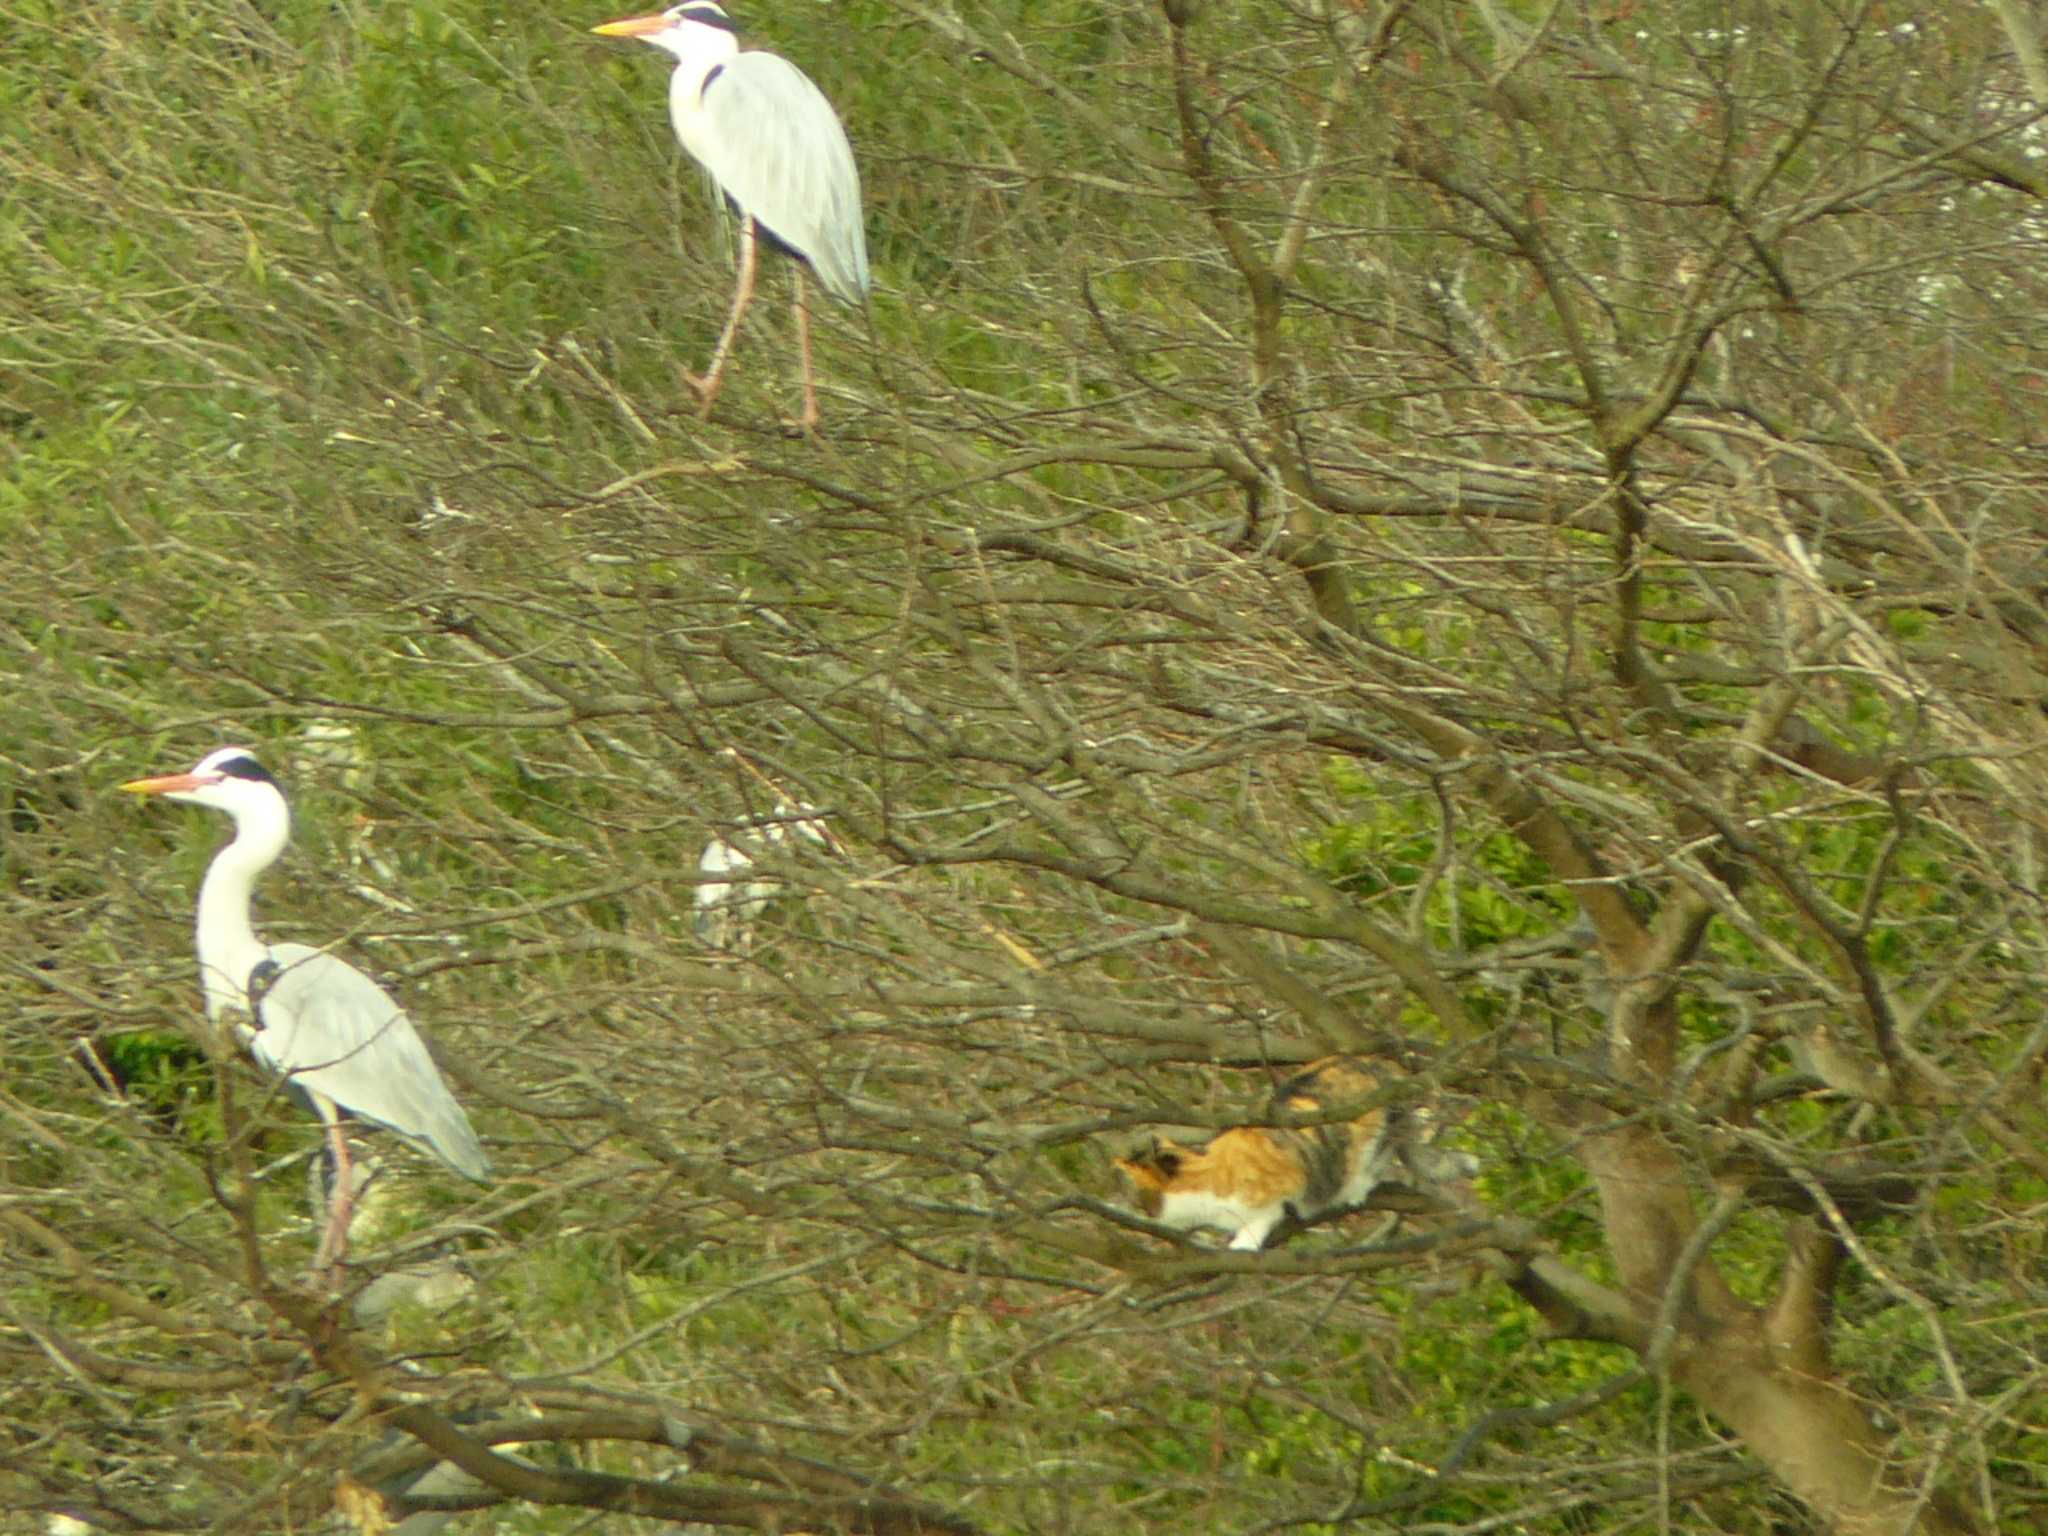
(326, 1274)
(805, 423)
(706, 388)
(325, 1279)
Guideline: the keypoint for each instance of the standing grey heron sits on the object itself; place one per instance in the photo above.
(771, 142)
(333, 1035)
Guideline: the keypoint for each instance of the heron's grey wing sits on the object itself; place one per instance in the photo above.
(330, 1029)
(774, 145)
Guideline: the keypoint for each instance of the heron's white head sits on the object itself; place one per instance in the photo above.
(227, 779)
(696, 30)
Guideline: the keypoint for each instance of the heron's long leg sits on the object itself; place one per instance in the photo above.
(809, 420)
(707, 386)
(340, 1203)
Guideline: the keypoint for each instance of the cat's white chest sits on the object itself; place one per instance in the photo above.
(1249, 1223)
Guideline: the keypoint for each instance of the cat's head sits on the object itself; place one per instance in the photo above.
(1151, 1170)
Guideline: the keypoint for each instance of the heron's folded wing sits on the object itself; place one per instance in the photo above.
(330, 1029)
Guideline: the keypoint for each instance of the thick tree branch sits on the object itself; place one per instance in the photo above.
(876, 1513)
(1797, 1321)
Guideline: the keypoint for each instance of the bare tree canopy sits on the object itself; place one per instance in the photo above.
(1502, 541)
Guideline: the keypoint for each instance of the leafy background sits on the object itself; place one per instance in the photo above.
(340, 383)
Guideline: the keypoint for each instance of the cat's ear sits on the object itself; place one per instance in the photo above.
(1139, 1168)
(1166, 1155)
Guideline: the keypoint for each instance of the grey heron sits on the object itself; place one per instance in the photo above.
(334, 1036)
(728, 900)
(777, 151)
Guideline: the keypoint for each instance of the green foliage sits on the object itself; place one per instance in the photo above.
(167, 1075)
(1491, 890)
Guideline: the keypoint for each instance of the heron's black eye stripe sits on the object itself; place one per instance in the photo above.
(245, 768)
(705, 15)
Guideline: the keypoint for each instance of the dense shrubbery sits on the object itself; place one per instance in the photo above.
(1507, 542)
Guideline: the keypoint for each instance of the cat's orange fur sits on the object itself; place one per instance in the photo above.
(1246, 1180)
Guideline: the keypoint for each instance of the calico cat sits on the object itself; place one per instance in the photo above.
(1246, 1180)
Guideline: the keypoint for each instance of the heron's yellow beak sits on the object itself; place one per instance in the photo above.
(169, 784)
(632, 26)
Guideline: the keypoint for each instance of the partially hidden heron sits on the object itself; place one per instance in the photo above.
(777, 151)
(729, 900)
(334, 1036)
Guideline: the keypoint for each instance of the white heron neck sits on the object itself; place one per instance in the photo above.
(228, 947)
(698, 51)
